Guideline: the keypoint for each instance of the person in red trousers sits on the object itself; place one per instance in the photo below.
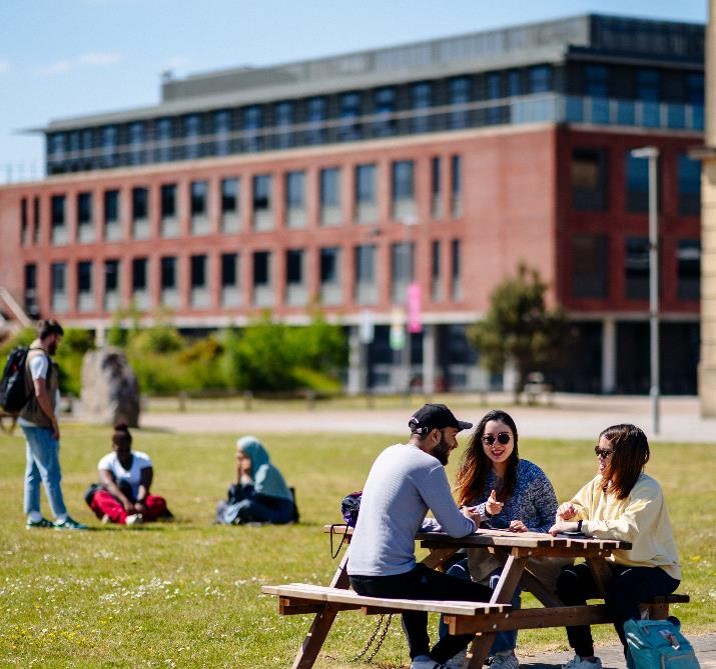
(123, 494)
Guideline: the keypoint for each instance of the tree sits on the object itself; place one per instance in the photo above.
(519, 328)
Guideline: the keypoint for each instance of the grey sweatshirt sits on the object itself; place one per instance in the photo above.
(402, 485)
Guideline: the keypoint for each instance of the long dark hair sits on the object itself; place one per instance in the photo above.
(631, 453)
(476, 466)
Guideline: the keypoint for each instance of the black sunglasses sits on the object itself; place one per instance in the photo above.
(502, 438)
(603, 452)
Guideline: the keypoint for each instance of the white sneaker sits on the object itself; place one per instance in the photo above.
(506, 660)
(134, 519)
(457, 661)
(425, 662)
(105, 519)
(578, 663)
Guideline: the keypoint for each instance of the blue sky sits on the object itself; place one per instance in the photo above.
(63, 58)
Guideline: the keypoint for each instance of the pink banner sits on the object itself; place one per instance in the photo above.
(414, 321)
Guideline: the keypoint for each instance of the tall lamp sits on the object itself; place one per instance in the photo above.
(651, 153)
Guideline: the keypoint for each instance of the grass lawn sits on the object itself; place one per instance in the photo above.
(187, 594)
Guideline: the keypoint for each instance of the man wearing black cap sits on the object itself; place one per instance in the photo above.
(406, 481)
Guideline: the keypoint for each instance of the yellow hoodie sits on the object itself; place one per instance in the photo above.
(641, 519)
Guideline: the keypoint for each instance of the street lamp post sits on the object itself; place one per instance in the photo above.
(651, 153)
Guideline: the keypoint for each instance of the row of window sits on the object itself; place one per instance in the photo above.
(424, 106)
(591, 267)
(262, 290)
(589, 174)
(202, 206)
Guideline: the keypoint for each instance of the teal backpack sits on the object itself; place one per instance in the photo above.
(658, 644)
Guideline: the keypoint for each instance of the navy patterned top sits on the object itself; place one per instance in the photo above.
(533, 500)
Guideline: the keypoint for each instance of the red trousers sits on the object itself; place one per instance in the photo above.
(103, 503)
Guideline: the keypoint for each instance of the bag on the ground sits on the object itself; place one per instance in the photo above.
(14, 393)
(658, 644)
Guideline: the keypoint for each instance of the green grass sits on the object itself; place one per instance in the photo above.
(187, 594)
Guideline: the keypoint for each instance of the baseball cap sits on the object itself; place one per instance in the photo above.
(432, 416)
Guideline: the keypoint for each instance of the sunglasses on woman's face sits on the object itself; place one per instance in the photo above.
(502, 438)
(603, 452)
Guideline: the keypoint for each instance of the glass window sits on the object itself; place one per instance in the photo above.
(56, 143)
(84, 209)
(648, 91)
(695, 89)
(350, 113)
(262, 260)
(637, 177)
(329, 262)
(365, 184)
(36, 220)
(222, 132)
(589, 266)
(168, 268)
(330, 187)
(294, 266)
(402, 268)
(436, 271)
(253, 123)
(295, 189)
(31, 290)
(540, 79)
(262, 192)
(168, 200)
(198, 271)
(111, 206)
(588, 179)
(199, 198)
(58, 284)
(459, 95)
(421, 97)
(229, 195)
(229, 270)
(163, 130)
(57, 220)
(84, 276)
(688, 257)
(689, 185)
(514, 86)
(384, 108)
(456, 269)
(192, 133)
(24, 227)
(139, 274)
(284, 117)
(137, 143)
(365, 263)
(316, 118)
(403, 187)
(111, 276)
(636, 267)
(436, 186)
(140, 203)
(493, 84)
(596, 81)
(456, 184)
(109, 137)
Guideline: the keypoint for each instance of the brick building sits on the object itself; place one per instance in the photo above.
(345, 182)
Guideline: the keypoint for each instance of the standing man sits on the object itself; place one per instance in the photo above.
(406, 481)
(38, 420)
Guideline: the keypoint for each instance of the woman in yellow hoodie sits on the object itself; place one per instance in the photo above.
(620, 502)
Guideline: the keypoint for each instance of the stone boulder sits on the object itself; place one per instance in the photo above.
(110, 391)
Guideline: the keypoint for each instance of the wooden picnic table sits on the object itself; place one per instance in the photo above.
(514, 551)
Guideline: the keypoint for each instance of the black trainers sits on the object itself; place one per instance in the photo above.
(69, 524)
(43, 522)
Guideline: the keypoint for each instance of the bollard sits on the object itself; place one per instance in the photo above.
(248, 397)
(182, 401)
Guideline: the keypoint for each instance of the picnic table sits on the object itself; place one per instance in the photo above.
(513, 550)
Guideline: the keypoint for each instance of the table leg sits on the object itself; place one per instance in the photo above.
(509, 579)
(322, 623)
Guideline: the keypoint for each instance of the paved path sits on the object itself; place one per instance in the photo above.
(613, 658)
(569, 417)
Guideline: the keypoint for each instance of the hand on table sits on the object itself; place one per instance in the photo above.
(563, 526)
(518, 526)
(472, 513)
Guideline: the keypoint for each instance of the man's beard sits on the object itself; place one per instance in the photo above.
(442, 451)
(52, 348)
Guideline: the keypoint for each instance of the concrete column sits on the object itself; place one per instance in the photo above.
(429, 358)
(609, 355)
(357, 363)
(707, 365)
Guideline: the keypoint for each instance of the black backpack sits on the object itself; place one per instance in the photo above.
(14, 393)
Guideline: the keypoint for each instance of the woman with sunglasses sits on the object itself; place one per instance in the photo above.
(509, 493)
(620, 502)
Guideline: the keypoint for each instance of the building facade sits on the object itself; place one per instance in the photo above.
(397, 184)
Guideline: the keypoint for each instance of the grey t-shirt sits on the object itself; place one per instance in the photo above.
(402, 485)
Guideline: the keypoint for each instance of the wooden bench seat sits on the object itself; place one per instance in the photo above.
(297, 598)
